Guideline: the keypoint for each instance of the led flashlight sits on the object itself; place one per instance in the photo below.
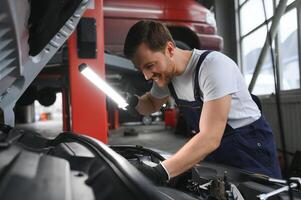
(102, 85)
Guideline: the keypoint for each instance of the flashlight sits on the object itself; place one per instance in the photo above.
(85, 70)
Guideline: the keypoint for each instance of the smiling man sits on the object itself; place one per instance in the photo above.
(211, 93)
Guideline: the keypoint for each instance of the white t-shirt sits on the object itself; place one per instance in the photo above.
(218, 76)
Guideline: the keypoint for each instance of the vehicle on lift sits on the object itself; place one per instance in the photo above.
(191, 24)
(74, 166)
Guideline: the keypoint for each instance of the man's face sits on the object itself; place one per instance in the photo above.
(158, 66)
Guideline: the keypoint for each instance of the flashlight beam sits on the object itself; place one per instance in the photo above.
(102, 85)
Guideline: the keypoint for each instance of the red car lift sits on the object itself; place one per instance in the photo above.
(88, 104)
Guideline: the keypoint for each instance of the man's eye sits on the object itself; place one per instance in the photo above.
(149, 66)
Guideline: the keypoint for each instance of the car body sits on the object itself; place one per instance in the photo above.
(190, 23)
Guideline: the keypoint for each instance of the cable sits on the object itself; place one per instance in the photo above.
(277, 90)
(277, 95)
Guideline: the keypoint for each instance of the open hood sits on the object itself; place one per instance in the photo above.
(30, 34)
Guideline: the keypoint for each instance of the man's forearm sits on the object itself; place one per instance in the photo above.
(212, 125)
(191, 153)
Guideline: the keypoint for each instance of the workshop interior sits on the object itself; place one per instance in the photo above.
(66, 132)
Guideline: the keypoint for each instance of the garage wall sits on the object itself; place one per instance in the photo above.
(291, 115)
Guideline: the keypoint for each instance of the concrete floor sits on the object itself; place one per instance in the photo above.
(155, 136)
(49, 129)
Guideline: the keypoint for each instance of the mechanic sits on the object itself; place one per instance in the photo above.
(210, 91)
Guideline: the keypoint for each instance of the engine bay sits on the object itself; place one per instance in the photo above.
(209, 180)
(73, 166)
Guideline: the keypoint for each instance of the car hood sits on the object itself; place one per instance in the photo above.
(30, 34)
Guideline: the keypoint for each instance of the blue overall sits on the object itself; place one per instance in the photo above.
(251, 148)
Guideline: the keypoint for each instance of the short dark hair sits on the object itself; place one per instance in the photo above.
(154, 34)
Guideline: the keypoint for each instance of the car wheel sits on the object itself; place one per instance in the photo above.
(146, 120)
(182, 45)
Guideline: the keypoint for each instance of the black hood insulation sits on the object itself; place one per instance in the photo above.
(46, 19)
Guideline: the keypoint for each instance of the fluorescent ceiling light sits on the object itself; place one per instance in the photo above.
(102, 85)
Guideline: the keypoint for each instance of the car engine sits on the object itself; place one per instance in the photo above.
(73, 166)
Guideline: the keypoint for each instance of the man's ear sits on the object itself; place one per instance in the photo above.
(170, 48)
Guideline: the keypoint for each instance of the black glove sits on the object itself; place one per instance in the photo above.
(132, 100)
(156, 174)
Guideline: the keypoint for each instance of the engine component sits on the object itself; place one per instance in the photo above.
(295, 183)
(85, 164)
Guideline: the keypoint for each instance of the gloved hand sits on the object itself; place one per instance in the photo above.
(132, 100)
(157, 174)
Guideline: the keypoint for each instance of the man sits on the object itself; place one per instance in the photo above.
(210, 91)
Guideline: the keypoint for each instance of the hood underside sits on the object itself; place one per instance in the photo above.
(30, 34)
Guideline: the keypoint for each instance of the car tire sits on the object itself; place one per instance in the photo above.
(147, 120)
(182, 45)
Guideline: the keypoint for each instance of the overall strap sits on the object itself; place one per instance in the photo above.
(196, 82)
(173, 92)
(196, 90)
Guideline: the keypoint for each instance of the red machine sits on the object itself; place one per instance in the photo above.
(191, 24)
(88, 104)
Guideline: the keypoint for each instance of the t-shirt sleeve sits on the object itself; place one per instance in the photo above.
(159, 92)
(218, 76)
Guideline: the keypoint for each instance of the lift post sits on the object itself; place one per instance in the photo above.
(87, 103)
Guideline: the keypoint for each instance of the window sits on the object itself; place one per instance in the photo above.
(241, 1)
(289, 60)
(253, 31)
(250, 51)
(252, 14)
(289, 2)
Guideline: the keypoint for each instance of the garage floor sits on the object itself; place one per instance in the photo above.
(155, 136)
